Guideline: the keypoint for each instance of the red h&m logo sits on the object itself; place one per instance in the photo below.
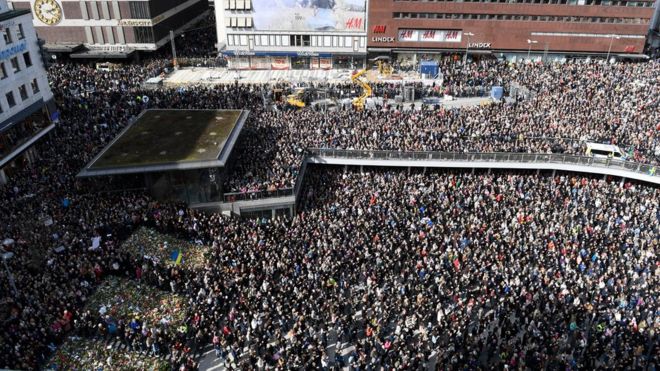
(380, 29)
(629, 49)
(354, 23)
(428, 34)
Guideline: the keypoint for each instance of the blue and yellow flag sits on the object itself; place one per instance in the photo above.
(177, 256)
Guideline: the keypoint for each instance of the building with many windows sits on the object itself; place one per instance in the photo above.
(409, 28)
(27, 109)
(110, 28)
(654, 32)
(292, 34)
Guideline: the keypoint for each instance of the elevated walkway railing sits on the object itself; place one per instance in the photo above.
(541, 161)
(471, 160)
(257, 195)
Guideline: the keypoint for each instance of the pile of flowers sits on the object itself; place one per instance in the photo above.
(165, 249)
(87, 354)
(127, 300)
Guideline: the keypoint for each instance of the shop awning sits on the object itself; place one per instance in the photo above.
(63, 48)
(633, 56)
(103, 54)
(438, 51)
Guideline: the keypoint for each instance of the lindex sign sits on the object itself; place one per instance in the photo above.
(479, 45)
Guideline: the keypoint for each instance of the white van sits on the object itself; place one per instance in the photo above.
(604, 151)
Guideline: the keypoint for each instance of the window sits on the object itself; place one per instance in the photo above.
(35, 86)
(7, 35)
(10, 99)
(143, 35)
(21, 34)
(264, 40)
(3, 71)
(138, 9)
(27, 59)
(22, 90)
(14, 65)
(300, 40)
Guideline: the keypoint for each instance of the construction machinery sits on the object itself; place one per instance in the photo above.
(296, 99)
(360, 79)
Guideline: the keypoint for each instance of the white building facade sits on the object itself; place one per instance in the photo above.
(27, 109)
(292, 34)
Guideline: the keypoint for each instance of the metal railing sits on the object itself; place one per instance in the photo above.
(257, 195)
(475, 157)
(513, 157)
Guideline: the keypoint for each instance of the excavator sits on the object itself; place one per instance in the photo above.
(360, 79)
(296, 99)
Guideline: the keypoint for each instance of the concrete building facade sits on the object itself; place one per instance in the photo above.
(110, 28)
(292, 34)
(536, 27)
(27, 110)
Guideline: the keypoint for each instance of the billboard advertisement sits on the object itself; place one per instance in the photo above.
(309, 15)
(443, 36)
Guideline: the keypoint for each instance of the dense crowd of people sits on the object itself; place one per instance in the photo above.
(502, 270)
(571, 104)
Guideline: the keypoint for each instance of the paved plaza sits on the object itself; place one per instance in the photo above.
(214, 76)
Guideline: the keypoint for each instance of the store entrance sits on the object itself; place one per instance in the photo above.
(300, 63)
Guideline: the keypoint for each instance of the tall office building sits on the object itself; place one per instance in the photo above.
(292, 34)
(110, 28)
(27, 110)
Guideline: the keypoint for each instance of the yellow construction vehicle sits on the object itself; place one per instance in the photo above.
(295, 99)
(360, 79)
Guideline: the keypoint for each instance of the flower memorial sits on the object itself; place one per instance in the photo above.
(85, 354)
(126, 300)
(164, 249)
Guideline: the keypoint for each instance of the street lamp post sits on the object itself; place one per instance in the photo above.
(529, 50)
(609, 50)
(174, 61)
(467, 47)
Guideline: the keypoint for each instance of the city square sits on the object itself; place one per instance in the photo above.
(329, 185)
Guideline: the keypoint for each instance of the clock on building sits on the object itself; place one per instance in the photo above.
(48, 11)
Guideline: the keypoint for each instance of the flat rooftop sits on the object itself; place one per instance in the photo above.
(160, 140)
